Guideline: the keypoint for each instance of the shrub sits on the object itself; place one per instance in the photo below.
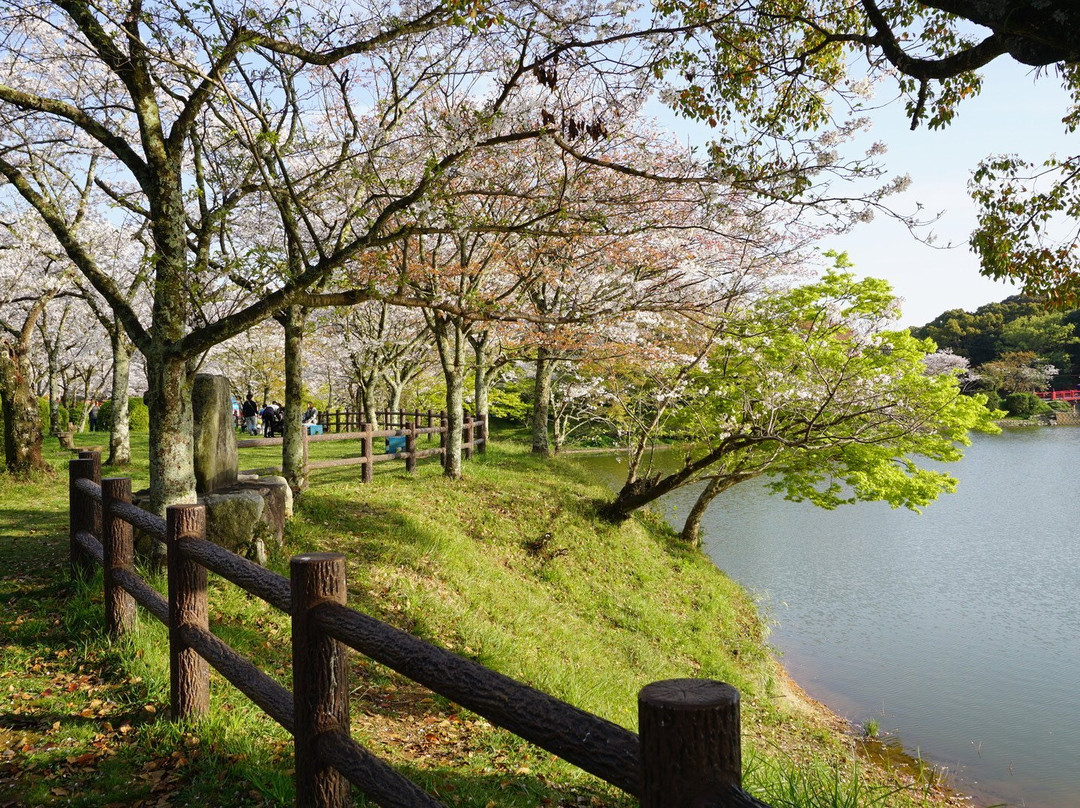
(1060, 406)
(75, 412)
(508, 404)
(138, 415)
(43, 412)
(1024, 405)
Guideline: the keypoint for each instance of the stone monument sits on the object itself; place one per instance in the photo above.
(243, 512)
(215, 434)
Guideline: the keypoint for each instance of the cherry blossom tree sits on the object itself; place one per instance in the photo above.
(29, 280)
(345, 127)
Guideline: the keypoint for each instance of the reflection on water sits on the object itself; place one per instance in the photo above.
(957, 629)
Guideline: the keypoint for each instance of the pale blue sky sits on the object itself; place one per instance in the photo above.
(1014, 114)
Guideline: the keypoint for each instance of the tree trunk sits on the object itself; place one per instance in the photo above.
(22, 420)
(120, 428)
(455, 421)
(369, 407)
(293, 445)
(691, 531)
(55, 427)
(50, 340)
(558, 431)
(450, 341)
(393, 398)
(172, 469)
(545, 365)
(483, 377)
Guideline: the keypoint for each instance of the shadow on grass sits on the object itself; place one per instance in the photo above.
(509, 787)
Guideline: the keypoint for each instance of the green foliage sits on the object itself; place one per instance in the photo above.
(1024, 405)
(1029, 215)
(815, 394)
(43, 413)
(138, 415)
(507, 403)
(977, 336)
(1047, 335)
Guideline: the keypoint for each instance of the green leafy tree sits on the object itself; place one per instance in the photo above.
(978, 335)
(1047, 335)
(812, 390)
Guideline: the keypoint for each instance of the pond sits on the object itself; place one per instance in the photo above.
(956, 630)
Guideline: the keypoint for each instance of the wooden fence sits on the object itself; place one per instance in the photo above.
(688, 752)
(473, 439)
(350, 421)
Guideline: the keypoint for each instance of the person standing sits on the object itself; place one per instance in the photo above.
(269, 417)
(95, 412)
(250, 410)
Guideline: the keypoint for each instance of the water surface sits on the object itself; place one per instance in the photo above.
(957, 630)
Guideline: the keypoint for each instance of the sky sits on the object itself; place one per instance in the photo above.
(1014, 114)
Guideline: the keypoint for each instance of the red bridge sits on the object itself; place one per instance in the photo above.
(1060, 395)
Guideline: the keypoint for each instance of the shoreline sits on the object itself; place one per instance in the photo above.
(876, 751)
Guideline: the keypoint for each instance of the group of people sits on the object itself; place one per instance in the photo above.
(272, 416)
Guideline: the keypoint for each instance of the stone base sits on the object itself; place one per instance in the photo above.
(244, 518)
(247, 516)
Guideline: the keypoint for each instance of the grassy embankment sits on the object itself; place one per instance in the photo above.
(508, 566)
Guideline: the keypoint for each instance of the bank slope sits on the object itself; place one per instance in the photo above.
(510, 566)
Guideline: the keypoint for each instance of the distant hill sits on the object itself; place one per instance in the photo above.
(1017, 323)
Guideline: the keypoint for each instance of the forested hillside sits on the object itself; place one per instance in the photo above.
(1016, 347)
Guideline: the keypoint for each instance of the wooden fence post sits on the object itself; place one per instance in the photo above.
(410, 446)
(430, 424)
(189, 673)
(119, 554)
(481, 434)
(320, 679)
(366, 444)
(467, 437)
(80, 517)
(690, 743)
(95, 475)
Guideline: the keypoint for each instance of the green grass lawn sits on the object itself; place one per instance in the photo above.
(508, 566)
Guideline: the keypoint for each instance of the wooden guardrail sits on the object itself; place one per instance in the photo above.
(688, 752)
(349, 421)
(473, 440)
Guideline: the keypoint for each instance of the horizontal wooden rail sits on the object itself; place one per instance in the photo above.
(144, 594)
(372, 775)
(687, 756)
(592, 743)
(90, 545)
(269, 695)
(246, 574)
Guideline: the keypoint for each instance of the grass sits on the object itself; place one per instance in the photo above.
(508, 566)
